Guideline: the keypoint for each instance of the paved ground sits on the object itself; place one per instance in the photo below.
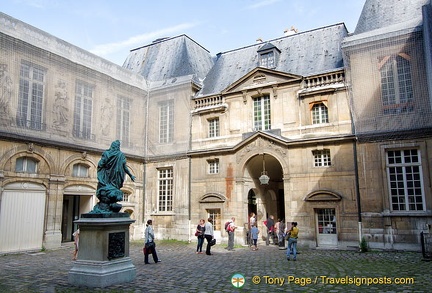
(181, 270)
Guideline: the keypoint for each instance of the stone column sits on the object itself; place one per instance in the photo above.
(53, 236)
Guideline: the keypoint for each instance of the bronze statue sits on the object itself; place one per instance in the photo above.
(111, 172)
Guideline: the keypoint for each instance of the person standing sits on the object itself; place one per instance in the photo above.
(281, 234)
(292, 241)
(254, 233)
(208, 234)
(231, 228)
(200, 235)
(252, 222)
(149, 244)
(76, 243)
(270, 227)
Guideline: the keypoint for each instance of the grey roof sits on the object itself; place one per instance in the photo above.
(306, 53)
(169, 58)
(378, 14)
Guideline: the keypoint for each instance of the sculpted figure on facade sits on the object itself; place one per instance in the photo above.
(6, 86)
(60, 107)
(111, 173)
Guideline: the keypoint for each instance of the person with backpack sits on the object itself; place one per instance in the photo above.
(270, 228)
(292, 241)
(230, 228)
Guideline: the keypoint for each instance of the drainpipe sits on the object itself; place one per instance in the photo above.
(190, 176)
(146, 121)
(357, 190)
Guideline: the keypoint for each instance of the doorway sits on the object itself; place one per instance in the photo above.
(73, 207)
(326, 227)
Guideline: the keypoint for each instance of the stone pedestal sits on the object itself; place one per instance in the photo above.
(103, 257)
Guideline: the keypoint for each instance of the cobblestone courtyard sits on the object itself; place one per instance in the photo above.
(265, 270)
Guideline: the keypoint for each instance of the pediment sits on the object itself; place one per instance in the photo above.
(323, 195)
(259, 78)
(212, 197)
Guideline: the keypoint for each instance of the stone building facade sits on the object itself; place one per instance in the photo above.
(346, 154)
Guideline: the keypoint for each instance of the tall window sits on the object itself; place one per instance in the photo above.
(31, 94)
(166, 121)
(26, 165)
(80, 170)
(215, 214)
(396, 84)
(262, 113)
(123, 119)
(322, 158)
(83, 111)
(165, 189)
(319, 113)
(405, 180)
(213, 125)
(268, 59)
(213, 166)
(326, 221)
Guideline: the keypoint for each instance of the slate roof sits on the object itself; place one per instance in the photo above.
(168, 58)
(306, 53)
(378, 14)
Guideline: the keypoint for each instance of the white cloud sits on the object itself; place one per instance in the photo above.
(139, 40)
(262, 3)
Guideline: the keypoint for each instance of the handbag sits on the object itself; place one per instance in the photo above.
(197, 233)
(212, 242)
(150, 245)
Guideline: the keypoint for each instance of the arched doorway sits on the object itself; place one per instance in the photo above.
(265, 199)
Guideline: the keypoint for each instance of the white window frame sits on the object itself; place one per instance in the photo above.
(322, 158)
(405, 180)
(165, 189)
(396, 84)
(215, 214)
(319, 113)
(262, 113)
(80, 170)
(213, 166)
(83, 112)
(213, 127)
(27, 163)
(31, 97)
(123, 119)
(166, 121)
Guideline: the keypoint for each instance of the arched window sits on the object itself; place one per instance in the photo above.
(319, 113)
(26, 165)
(80, 170)
(396, 84)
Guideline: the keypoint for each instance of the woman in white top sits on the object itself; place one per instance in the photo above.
(208, 234)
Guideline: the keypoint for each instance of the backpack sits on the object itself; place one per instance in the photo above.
(227, 226)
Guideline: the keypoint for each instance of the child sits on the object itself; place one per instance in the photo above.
(254, 232)
(76, 242)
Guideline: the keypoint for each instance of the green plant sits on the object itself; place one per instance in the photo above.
(364, 247)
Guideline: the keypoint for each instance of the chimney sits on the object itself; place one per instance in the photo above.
(259, 41)
(291, 31)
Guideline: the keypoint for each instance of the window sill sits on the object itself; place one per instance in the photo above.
(163, 214)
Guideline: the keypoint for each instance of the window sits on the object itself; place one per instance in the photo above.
(319, 113)
(213, 166)
(165, 189)
(213, 127)
(166, 121)
(80, 170)
(262, 113)
(123, 119)
(405, 182)
(268, 60)
(31, 94)
(396, 84)
(126, 197)
(83, 111)
(26, 165)
(322, 158)
(215, 214)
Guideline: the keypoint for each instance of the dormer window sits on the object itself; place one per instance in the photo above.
(268, 56)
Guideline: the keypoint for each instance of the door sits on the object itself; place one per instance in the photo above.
(22, 215)
(326, 228)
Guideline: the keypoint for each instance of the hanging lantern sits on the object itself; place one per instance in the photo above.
(264, 178)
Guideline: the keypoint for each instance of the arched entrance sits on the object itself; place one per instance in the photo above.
(265, 199)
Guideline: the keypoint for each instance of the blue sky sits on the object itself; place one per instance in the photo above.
(111, 28)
